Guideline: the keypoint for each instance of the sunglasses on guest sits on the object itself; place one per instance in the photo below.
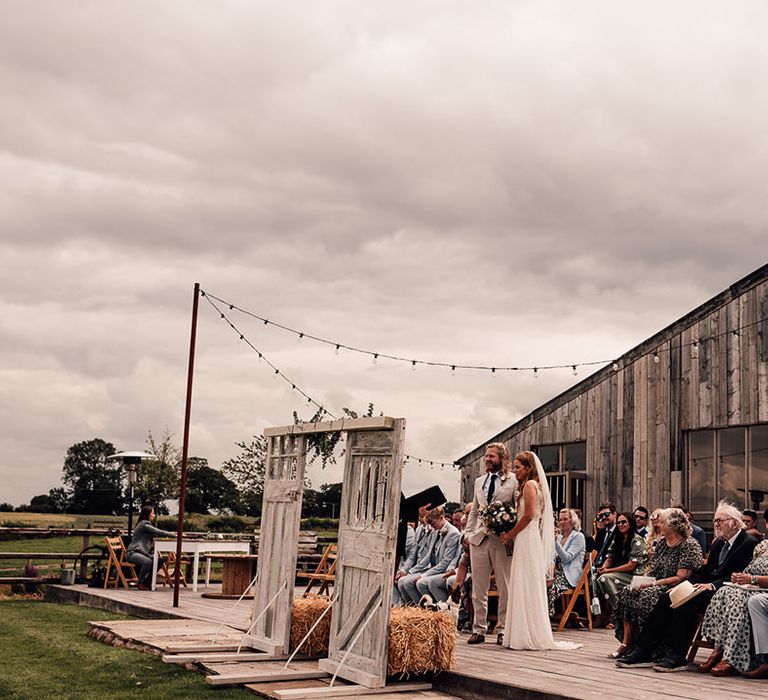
(622, 522)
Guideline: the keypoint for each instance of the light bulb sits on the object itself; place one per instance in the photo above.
(336, 351)
(656, 358)
(413, 365)
(535, 373)
(375, 359)
(575, 371)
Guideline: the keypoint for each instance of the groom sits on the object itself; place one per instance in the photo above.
(486, 551)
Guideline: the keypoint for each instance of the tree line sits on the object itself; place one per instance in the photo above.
(92, 484)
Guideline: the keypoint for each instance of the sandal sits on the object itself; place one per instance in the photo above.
(619, 653)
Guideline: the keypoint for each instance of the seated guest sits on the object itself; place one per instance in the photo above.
(445, 556)
(604, 531)
(676, 556)
(758, 615)
(667, 632)
(627, 557)
(418, 560)
(654, 532)
(570, 547)
(641, 520)
(749, 517)
(142, 546)
(726, 622)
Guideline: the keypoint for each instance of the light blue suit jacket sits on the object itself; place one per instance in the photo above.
(445, 551)
(421, 556)
(571, 555)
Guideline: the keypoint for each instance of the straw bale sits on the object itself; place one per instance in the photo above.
(420, 641)
(303, 615)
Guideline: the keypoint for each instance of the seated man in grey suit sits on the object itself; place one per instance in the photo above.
(758, 613)
(419, 561)
(445, 555)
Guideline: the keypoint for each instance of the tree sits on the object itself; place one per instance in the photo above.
(6, 508)
(42, 504)
(330, 499)
(208, 489)
(59, 499)
(157, 480)
(92, 484)
(247, 470)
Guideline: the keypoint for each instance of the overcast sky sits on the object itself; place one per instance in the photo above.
(502, 183)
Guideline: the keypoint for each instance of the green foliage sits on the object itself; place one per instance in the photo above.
(92, 484)
(323, 445)
(208, 489)
(43, 504)
(158, 479)
(320, 524)
(6, 508)
(47, 648)
(247, 470)
(228, 523)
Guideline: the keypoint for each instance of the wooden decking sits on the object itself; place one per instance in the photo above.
(483, 671)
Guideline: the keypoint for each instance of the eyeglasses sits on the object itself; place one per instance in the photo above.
(640, 516)
(603, 516)
(623, 522)
(718, 521)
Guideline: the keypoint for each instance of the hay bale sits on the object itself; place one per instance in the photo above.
(420, 641)
(304, 614)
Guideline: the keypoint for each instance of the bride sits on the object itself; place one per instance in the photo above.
(527, 623)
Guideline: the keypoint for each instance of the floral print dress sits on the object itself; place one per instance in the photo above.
(636, 605)
(727, 621)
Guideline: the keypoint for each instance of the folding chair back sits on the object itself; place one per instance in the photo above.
(118, 566)
(167, 574)
(324, 574)
(569, 597)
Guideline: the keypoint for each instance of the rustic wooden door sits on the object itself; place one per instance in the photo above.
(365, 564)
(278, 542)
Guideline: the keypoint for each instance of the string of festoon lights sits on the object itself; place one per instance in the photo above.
(278, 373)
(695, 344)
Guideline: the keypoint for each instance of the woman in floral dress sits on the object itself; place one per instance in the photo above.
(674, 560)
(727, 623)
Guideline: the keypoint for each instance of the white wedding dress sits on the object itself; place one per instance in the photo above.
(527, 623)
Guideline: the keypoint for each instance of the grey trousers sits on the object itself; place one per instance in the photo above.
(489, 555)
(758, 613)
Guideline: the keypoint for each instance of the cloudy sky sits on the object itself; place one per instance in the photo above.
(509, 183)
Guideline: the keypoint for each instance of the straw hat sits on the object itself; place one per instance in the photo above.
(682, 593)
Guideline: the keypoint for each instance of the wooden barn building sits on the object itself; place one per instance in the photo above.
(681, 417)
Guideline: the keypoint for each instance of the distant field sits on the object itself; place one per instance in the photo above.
(61, 520)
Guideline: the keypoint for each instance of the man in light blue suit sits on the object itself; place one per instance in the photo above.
(445, 556)
(419, 561)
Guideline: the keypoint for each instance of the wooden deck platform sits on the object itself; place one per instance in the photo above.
(483, 671)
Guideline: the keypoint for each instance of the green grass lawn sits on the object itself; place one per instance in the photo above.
(46, 654)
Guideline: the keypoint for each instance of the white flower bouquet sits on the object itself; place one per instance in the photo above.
(498, 517)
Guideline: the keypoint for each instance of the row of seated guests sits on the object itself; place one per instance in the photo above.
(653, 633)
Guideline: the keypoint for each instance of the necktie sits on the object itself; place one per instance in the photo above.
(491, 487)
(723, 553)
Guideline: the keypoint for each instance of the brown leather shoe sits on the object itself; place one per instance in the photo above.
(714, 658)
(760, 672)
(724, 669)
(476, 638)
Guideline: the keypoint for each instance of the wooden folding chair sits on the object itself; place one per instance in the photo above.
(568, 598)
(167, 574)
(118, 566)
(698, 641)
(325, 574)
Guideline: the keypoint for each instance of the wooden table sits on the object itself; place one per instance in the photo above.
(197, 547)
(238, 572)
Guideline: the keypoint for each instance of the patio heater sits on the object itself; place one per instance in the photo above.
(131, 462)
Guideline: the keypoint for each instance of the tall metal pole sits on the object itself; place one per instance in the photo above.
(185, 446)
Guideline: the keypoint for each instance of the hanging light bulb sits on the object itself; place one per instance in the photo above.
(535, 372)
(413, 365)
(575, 371)
(493, 371)
(656, 358)
(301, 335)
(375, 358)
(336, 351)
(615, 367)
(453, 370)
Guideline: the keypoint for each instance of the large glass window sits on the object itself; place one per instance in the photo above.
(567, 489)
(575, 456)
(729, 464)
(549, 456)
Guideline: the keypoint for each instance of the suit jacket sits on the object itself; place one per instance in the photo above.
(603, 544)
(571, 555)
(475, 531)
(445, 550)
(421, 556)
(737, 559)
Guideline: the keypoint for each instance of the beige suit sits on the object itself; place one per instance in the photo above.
(487, 553)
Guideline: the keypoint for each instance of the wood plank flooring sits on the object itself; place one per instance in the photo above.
(583, 673)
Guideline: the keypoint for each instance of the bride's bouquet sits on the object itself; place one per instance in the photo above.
(498, 518)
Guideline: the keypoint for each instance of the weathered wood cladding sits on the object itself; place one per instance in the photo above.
(633, 418)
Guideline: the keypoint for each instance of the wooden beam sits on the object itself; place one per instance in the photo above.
(268, 677)
(194, 648)
(377, 423)
(338, 691)
(222, 657)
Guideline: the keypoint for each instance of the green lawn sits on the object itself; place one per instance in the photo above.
(46, 654)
